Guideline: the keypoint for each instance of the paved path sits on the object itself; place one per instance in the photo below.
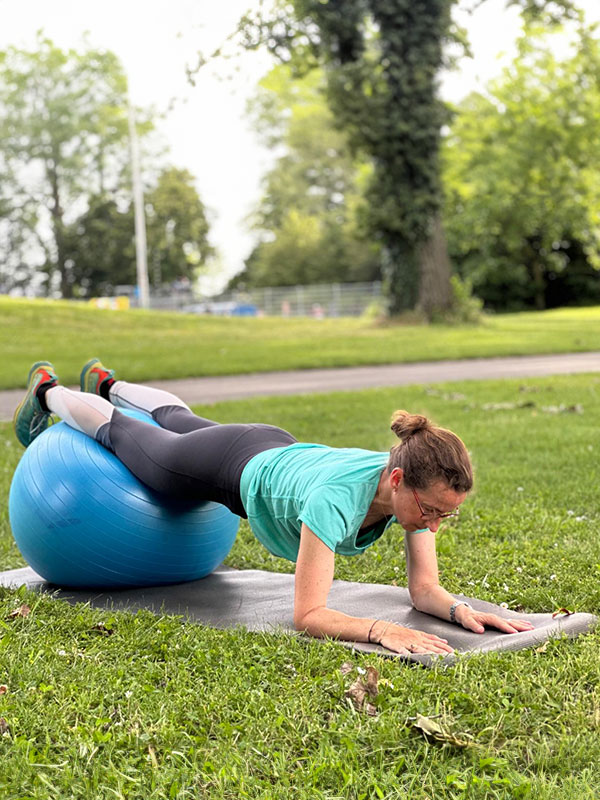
(215, 389)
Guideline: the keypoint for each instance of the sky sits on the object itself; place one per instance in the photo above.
(205, 128)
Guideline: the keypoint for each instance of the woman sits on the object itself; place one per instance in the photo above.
(304, 502)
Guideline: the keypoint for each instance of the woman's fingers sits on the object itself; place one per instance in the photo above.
(406, 640)
(521, 624)
(431, 648)
(476, 621)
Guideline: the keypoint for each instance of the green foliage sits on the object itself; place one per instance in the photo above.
(100, 248)
(63, 134)
(381, 59)
(176, 228)
(309, 214)
(521, 178)
(100, 245)
(64, 146)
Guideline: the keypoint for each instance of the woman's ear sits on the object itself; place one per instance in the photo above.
(396, 477)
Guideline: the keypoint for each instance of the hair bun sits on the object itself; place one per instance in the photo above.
(406, 425)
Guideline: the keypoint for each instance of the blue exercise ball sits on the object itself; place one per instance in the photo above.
(82, 519)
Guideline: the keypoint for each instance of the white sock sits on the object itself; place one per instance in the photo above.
(80, 410)
(141, 398)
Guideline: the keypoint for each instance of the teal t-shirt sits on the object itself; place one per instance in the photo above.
(329, 489)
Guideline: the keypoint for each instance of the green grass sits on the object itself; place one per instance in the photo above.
(167, 709)
(167, 345)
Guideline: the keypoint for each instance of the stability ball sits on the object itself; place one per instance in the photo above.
(81, 519)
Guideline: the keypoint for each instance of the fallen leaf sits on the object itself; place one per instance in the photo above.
(4, 726)
(3, 689)
(346, 668)
(542, 648)
(22, 611)
(101, 628)
(562, 612)
(360, 689)
(433, 730)
(372, 678)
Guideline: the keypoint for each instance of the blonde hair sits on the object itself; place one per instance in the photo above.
(428, 453)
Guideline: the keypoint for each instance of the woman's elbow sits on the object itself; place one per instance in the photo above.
(307, 621)
(417, 595)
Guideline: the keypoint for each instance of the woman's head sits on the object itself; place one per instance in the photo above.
(428, 454)
(430, 471)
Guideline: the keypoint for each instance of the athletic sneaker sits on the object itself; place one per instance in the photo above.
(31, 418)
(95, 378)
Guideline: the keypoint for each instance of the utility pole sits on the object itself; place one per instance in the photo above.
(140, 220)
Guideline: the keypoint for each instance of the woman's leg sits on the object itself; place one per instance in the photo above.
(204, 464)
(165, 408)
(84, 412)
(168, 462)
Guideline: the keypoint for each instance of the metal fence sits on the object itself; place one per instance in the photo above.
(316, 300)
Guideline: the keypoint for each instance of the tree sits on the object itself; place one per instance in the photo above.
(382, 59)
(521, 168)
(308, 218)
(177, 228)
(100, 247)
(63, 138)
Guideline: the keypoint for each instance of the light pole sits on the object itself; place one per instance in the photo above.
(141, 258)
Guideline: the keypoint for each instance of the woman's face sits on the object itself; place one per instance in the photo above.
(422, 508)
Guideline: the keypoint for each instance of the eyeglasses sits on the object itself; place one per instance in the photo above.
(433, 514)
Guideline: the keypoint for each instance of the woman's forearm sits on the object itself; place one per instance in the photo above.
(323, 621)
(433, 599)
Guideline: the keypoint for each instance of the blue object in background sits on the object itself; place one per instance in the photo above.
(81, 518)
(244, 310)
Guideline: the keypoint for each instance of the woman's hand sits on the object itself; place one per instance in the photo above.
(478, 621)
(407, 640)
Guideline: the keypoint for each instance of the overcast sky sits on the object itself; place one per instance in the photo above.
(206, 129)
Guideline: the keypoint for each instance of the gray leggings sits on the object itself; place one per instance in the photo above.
(189, 457)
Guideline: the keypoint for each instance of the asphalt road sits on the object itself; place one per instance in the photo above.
(215, 389)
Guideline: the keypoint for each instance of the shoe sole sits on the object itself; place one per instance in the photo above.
(30, 375)
(85, 367)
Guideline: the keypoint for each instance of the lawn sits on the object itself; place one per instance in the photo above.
(152, 707)
(146, 345)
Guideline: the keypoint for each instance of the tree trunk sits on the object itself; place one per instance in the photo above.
(56, 211)
(539, 284)
(401, 277)
(435, 289)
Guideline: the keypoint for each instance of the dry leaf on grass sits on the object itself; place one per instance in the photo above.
(101, 628)
(4, 726)
(562, 612)
(361, 689)
(432, 729)
(21, 611)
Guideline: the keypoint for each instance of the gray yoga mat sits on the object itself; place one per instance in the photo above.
(263, 601)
